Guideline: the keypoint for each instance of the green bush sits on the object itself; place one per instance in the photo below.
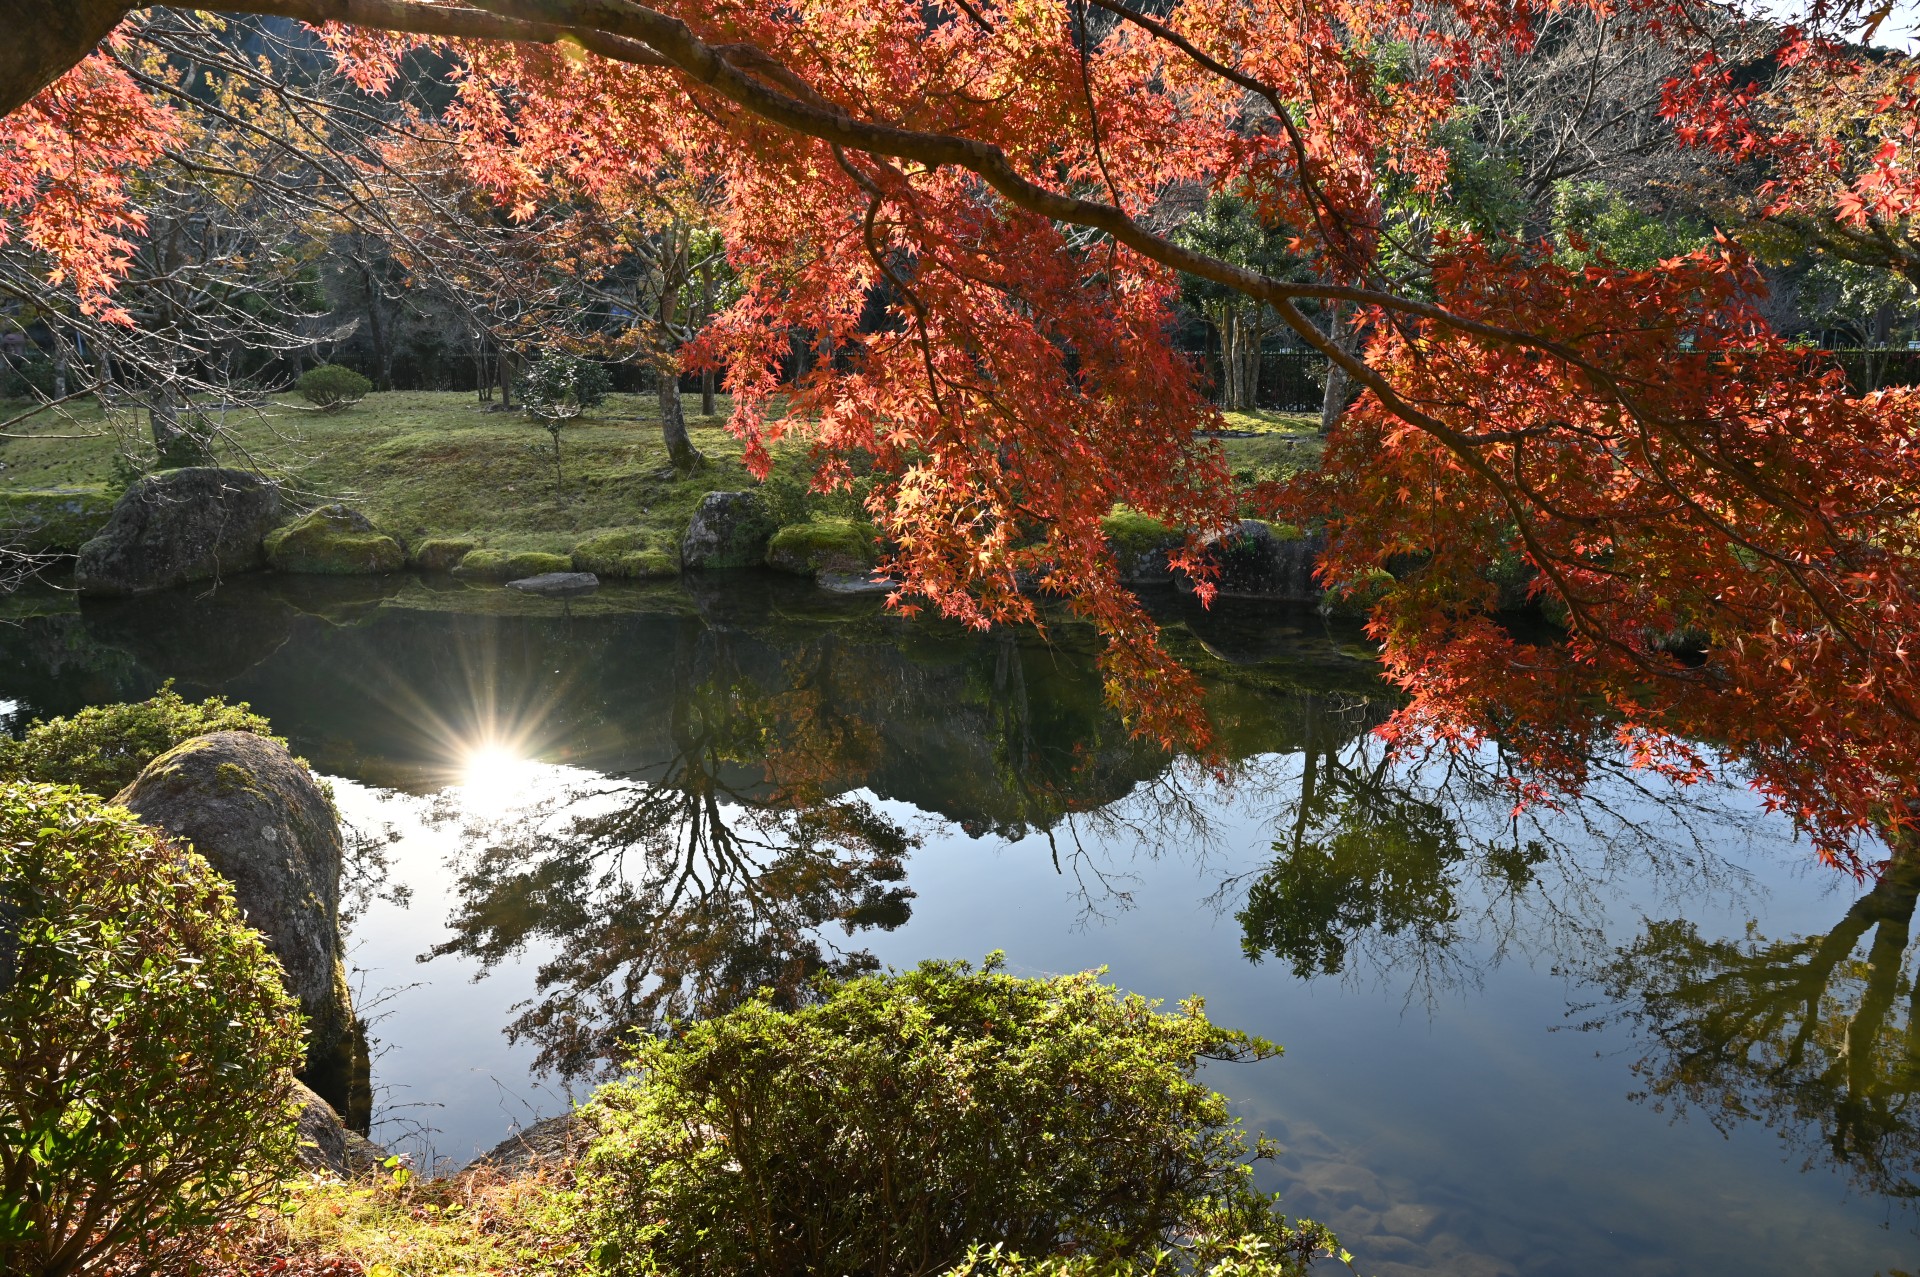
(103, 747)
(559, 386)
(906, 1118)
(333, 387)
(146, 1043)
(28, 378)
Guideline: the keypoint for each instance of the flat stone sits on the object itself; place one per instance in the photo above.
(557, 583)
(1413, 1220)
(856, 583)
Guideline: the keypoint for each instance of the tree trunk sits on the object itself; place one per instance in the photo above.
(504, 363)
(707, 406)
(382, 353)
(1334, 402)
(673, 418)
(673, 426)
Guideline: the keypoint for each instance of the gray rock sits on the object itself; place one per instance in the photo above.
(557, 583)
(179, 526)
(327, 1145)
(856, 583)
(1258, 563)
(265, 825)
(547, 1142)
(729, 530)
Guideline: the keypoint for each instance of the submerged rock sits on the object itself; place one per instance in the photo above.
(179, 526)
(856, 583)
(562, 583)
(334, 540)
(265, 825)
(729, 530)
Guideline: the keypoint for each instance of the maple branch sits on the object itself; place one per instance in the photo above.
(452, 22)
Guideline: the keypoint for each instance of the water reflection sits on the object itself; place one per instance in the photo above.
(654, 802)
(1816, 1037)
(686, 885)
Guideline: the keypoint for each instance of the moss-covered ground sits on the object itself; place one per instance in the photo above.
(438, 465)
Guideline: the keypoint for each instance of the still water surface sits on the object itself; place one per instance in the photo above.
(1641, 1035)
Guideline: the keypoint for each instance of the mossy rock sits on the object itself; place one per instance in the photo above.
(823, 545)
(1141, 545)
(54, 520)
(441, 554)
(1357, 598)
(333, 541)
(627, 553)
(508, 565)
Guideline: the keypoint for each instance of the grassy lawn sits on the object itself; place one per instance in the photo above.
(435, 464)
(428, 464)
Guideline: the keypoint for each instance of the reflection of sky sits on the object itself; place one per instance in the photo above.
(1510, 1143)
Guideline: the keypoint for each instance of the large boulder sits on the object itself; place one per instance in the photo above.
(729, 530)
(335, 540)
(267, 827)
(179, 526)
(1258, 562)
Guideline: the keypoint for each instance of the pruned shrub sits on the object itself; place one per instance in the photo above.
(333, 387)
(558, 386)
(147, 1047)
(103, 747)
(27, 378)
(905, 1119)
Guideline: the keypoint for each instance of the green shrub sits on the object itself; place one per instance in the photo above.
(333, 387)
(822, 545)
(28, 378)
(559, 386)
(508, 565)
(625, 553)
(103, 747)
(146, 1043)
(906, 1118)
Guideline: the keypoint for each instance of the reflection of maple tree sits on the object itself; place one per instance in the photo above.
(684, 888)
(1807, 1035)
(996, 173)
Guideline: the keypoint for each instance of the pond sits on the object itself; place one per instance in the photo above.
(1643, 1034)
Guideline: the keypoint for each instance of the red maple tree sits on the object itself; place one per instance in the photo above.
(1727, 531)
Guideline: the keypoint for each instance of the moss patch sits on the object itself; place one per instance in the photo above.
(54, 520)
(510, 565)
(823, 545)
(441, 554)
(626, 553)
(1135, 533)
(333, 541)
